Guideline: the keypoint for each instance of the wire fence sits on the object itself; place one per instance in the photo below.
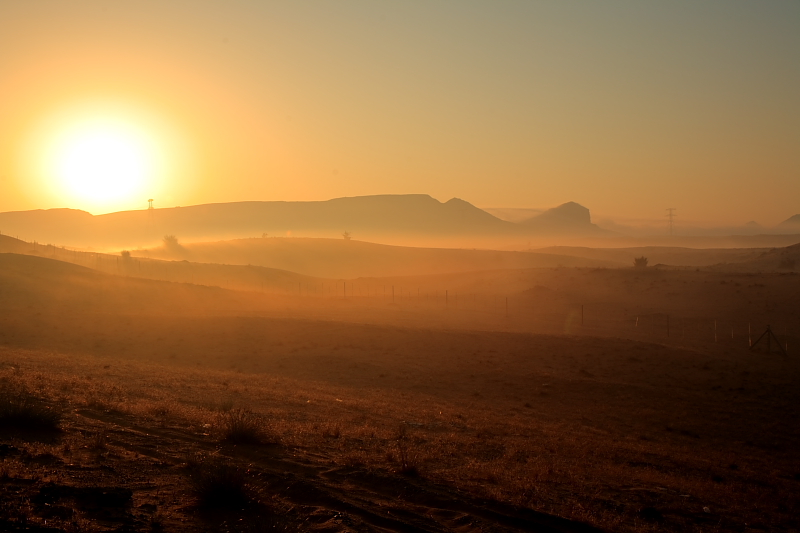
(518, 312)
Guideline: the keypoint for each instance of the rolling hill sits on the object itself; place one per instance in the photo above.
(383, 218)
(339, 258)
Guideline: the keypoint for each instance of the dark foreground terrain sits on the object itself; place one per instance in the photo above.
(391, 429)
(136, 405)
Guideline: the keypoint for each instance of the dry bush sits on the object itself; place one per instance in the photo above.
(242, 426)
(408, 460)
(220, 485)
(98, 442)
(21, 410)
(332, 432)
(156, 521)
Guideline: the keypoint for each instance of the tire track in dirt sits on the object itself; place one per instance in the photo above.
(379, 502)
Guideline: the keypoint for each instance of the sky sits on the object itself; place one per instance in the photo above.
(625, 107)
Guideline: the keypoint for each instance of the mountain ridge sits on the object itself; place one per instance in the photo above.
(375, 217)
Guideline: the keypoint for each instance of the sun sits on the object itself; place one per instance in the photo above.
(102, 161)
(102, 156)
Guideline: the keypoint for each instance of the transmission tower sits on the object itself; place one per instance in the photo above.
(670, 217)
(150, 210)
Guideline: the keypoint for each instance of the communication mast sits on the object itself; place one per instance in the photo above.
(150, 210)
(769, 336)
(670, 217)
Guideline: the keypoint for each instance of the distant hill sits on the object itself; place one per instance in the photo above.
(785, 259)
(41, 283)
(666, 255)
(513, 214)
(338, 258)
(13, 245)
(792, 222)
(566, 218)
(383, 218)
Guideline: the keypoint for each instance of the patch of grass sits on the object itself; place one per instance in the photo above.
(408, 461)
(221, 406)
(23, 411)
(157, 520)
(242, 426)
(98, 442)
(332, 432)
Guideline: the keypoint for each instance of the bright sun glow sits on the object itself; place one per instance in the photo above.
(102, 161)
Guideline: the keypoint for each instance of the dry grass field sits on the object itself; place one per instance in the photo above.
(140, 405)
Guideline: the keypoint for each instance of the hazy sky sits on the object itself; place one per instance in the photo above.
(625, 107)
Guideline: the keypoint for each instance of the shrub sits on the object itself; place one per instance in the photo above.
(241, 426)
(408, 462)
(172, 245)
(640, 262)
(98, 442)
(332, 432)
(220, 485)
(23, 411)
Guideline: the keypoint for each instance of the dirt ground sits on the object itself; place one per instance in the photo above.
(417, 414)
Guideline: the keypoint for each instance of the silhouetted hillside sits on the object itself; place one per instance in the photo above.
(666, 255)
(792, 222)
(29, 282)
(567, 218)
(784, 259)
(383, 218)
(13, 245)
(338, 258)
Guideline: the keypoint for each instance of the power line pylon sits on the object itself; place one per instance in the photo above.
(150, 210)
(769, 336)
(670, 217)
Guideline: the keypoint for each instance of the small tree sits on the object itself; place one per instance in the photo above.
(126, 255)
(640, 262)
(171, 243)
(347, 235)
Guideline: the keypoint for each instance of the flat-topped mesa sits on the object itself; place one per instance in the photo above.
(567, 218)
